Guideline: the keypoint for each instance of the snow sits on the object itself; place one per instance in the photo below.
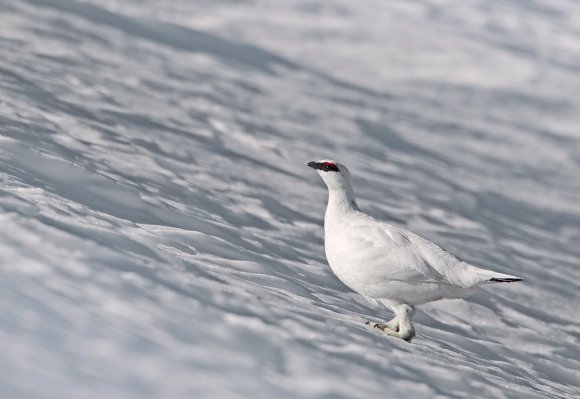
(162, 235)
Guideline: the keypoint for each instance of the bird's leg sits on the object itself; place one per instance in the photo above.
(401, 326)
(404, 313)
(393, 324)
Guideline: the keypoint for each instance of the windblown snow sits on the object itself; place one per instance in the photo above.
(162, 237)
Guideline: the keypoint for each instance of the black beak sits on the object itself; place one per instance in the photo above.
(314, 165)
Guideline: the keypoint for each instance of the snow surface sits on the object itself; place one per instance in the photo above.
(162, 236)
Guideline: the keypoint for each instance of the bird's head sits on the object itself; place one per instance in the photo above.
(335, 175)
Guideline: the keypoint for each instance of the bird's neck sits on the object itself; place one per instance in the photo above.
(340, 201)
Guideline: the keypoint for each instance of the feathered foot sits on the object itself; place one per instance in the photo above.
(407, 334)
(400, 326)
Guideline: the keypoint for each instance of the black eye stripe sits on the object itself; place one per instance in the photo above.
(329, 166)
(324, 166)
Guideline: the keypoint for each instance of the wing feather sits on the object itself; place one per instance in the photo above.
(387, 253)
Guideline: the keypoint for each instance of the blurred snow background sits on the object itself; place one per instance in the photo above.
(162, 237)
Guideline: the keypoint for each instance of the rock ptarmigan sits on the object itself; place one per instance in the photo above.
(387, 264)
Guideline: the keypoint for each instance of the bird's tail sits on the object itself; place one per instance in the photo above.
(468, 276)
(510, 279)
(494, 277)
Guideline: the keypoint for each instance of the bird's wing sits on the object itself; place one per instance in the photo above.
(386, 250)
(453, 270)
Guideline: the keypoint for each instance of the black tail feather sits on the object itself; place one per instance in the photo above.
(506, 280)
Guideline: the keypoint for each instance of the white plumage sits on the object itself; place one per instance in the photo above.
(387, 264)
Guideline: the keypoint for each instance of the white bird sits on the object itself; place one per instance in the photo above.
(388, 264)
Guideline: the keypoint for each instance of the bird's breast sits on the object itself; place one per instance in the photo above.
(359, 276)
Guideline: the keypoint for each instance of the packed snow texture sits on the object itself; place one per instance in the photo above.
(162, 236)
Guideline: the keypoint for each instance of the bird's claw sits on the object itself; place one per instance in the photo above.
(408, 336)
(383, 327)
(380, 326)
